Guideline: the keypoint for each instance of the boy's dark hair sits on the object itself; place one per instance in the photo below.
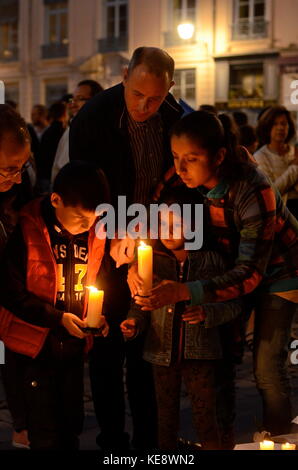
(182, 195)
(57, 110)
(210, 108)
(267, 120)
(94, 86)
(208, 132)
(81, 184)
(158, 61)
(12, 123)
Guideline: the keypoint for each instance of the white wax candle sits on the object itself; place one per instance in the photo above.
(95, 301)
(267, 445)
(288, 446)
(145, 266)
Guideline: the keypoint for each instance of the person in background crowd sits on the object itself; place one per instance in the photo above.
(15, 191)
(240, 118)
(125, 131)
(67, 100)
(248, 138)
(48, 146)
(209, 108)
(278, 157)
(84, 91)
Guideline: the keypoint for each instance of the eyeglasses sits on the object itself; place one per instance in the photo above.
(77, 99)
(16, 174)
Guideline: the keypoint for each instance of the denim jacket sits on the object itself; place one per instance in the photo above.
(201, 341)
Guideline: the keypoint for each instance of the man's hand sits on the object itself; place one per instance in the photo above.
(194, 315)
(129, 328)
(122, 251)
(72, 323)
(167, 292)
(135, 282)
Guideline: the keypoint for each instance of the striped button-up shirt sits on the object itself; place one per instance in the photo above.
(146, 141)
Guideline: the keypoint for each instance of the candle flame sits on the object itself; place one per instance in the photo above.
(142, 244)
(92, 288)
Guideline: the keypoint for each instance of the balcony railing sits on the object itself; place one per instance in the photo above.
(9, 55)
(172, 38)
(245, 29)
(113, 44)
(54, 50)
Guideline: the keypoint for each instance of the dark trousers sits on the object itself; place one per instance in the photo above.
(53, 398)
(106, 363)
(198, 376)
(273, 319)
(107, 360)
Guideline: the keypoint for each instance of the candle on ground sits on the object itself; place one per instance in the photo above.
(95, 301)
(288, 446)
(145, 266)
(267, 445)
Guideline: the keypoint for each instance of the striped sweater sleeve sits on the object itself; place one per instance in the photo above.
(255, 205)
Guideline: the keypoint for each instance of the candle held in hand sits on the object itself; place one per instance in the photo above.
(95, 301)
(145, 266)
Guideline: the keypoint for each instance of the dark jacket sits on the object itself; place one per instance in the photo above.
(98, 133)
(200, 341)
(47, 150)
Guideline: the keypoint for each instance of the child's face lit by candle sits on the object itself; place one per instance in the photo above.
(74, 219)
(172, 223)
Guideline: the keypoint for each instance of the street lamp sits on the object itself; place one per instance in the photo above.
(186, 30)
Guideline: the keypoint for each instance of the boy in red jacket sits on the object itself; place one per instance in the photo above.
(50, 259)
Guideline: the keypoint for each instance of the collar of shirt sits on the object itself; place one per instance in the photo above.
(219, 191)
(133, 125)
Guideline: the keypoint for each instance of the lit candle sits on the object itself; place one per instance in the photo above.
(145, 266)
(95, 301)
(267, 445)
(288, 446)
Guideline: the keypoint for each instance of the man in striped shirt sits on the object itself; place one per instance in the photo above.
(125, 131)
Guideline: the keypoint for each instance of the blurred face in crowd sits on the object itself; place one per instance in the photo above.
(144, 92)
(280, 129)
(74, 219)
(81, 95)
(38, 117)
(13, 156)
(192, 163)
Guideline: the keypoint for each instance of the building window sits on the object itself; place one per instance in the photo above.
(116, 27)
(249, 19)
(12, 92)
(55, 91)
(181, 11)
(184, 11)
(56, 29)
(185, 86)
(9, 12)
(117, 18)
(246, 82)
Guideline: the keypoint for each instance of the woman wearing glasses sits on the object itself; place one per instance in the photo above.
(15, 191)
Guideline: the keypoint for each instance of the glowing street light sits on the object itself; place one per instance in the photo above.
(186, 30)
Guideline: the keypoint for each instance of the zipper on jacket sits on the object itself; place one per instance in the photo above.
(69, 269)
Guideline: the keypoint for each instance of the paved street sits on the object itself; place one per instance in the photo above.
(248, 408)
